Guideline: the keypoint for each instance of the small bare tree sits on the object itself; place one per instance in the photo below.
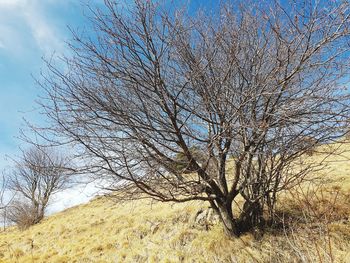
(37, 175)
(253, 81)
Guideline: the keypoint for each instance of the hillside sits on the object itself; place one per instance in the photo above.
(144, 231)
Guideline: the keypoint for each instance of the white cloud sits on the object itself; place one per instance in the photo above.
(73, 196)
(25, 21)
(43, 33)
(11, 3)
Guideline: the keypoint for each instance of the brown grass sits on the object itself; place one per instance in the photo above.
(316, 229)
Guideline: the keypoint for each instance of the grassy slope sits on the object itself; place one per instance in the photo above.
(141, 231)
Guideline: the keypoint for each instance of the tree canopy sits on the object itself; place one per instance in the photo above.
(257, 85)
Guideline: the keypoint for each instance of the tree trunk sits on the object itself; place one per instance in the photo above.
(251, 217)
(38, 214)
(226, 217)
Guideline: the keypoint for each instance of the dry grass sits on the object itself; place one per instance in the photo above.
(142, 231)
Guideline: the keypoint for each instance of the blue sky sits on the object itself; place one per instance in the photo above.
(29, 30)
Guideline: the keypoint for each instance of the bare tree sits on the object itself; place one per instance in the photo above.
(37, 175)
(249, 81)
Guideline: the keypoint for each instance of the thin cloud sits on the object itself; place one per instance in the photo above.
(25, 21)
(11, 3)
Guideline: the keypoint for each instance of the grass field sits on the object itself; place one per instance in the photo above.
(145, 231)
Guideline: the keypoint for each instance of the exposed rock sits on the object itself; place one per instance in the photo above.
(205, 218)
(153, 226)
